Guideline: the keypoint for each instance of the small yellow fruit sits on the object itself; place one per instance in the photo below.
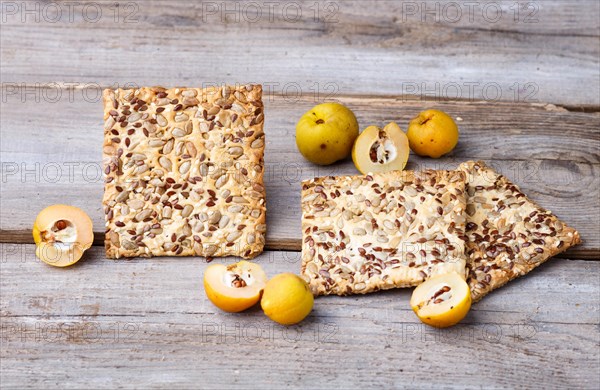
(235, 287)
(287, 299)
(432, 133)
(325, 133)
(61, 234)
(381, 150)
(442, 301)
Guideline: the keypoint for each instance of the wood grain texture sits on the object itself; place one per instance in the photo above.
(146, 323)
(553, 154)
(93, 325)
(390, 49)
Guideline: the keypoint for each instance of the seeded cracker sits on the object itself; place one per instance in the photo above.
(509, 235)
(184, 172)
(376, 232)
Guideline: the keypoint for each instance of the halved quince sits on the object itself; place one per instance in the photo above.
(381, 150)
(442, 301)
(236, 287)
(61, 234)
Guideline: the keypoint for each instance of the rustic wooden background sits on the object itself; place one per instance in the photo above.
(522, 77)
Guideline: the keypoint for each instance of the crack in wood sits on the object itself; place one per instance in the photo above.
(281, 244)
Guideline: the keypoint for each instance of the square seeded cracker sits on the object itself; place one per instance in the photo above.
(508, 234)
(380, 231)
(184, 172)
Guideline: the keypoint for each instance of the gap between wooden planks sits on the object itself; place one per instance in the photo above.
(279, 244)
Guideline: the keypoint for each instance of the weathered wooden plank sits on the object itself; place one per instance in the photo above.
(117, 286)
(553, 155)
(54, 156)
(391, 49)
(94, 325)
(69, 126)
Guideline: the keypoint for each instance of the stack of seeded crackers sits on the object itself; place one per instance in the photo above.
(396, 229)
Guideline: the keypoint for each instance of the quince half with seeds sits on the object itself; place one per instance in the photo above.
(381, 150)
(61, 234)
(236, 287)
